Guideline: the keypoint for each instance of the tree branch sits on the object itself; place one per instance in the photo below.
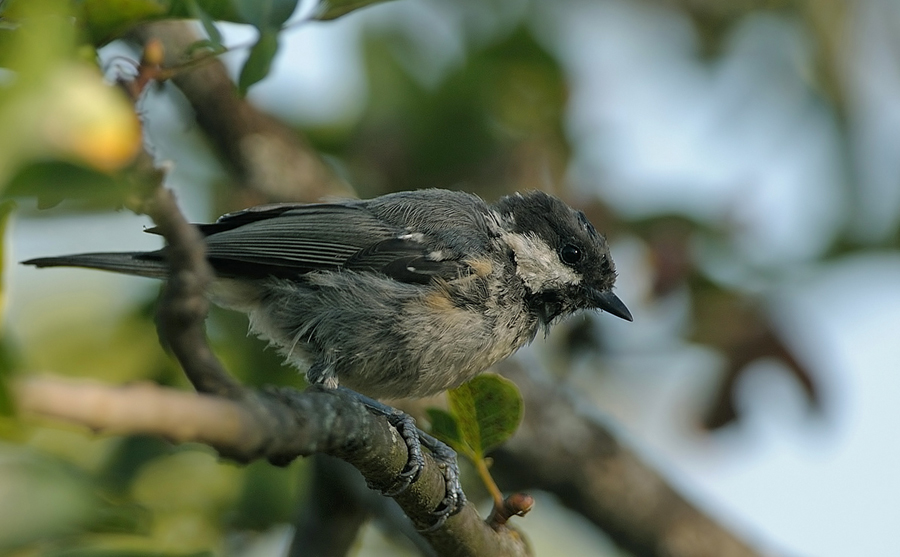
(280, 425)
(566, 450)
(182, 308)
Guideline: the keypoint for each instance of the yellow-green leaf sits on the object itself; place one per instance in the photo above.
(445, 428)
(488, 410)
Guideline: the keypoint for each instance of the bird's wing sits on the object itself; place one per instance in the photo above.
(291, 240)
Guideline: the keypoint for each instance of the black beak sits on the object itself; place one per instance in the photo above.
(610, 303)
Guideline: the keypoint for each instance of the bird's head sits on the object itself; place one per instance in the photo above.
(562, 260)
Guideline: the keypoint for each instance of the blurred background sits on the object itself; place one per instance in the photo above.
(743, 158)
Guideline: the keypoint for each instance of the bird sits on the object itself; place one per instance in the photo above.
(403, 295)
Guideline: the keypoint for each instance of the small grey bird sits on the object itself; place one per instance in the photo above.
(404, 295)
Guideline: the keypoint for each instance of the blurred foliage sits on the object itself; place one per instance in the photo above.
(493, 125)
(54, 105)
(250, 358)
(6, 210)
(494, 122)
(333, 9)
(107, 20)
(52, 182)
(267, 16)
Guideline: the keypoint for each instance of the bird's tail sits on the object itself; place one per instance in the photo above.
(140, 263)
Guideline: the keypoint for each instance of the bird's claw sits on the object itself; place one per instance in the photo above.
(454, 497)
(408, 431)
(445, 457)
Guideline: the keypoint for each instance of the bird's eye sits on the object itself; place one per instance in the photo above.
(570, 254)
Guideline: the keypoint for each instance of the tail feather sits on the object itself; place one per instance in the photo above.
(140, 263)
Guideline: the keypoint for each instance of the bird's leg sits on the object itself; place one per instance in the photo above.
(415, 438)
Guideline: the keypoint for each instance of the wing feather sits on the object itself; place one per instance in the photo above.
(291, 240)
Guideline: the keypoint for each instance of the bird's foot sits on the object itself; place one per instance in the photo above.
(445, 457)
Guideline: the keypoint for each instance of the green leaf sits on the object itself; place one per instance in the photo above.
(333, 9)
(259, 62)
(265, 14)
(488, 409)
(445, 428)
(215, 38)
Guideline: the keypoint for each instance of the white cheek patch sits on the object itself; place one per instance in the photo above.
(538, 265)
